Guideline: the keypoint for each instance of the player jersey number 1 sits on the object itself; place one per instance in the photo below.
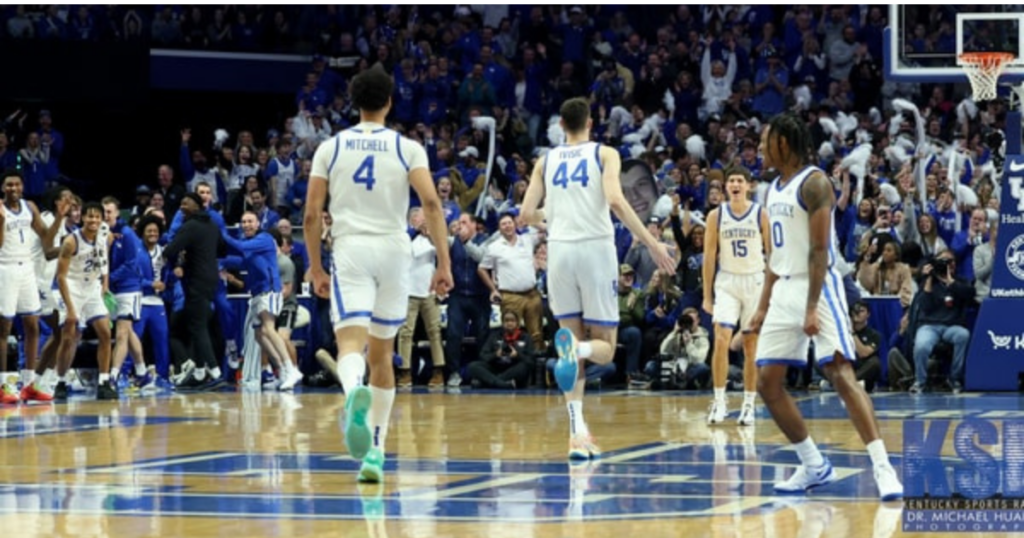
(364, 174)
(562, 177)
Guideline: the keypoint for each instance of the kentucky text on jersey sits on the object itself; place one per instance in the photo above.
(739, 233)
(780, 210)
(362, 144)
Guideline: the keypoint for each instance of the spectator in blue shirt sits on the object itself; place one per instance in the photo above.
(965, 241)
(195, 170)
(770, 86)
(310, 97)
(258, 204)
(328, 80)
(52, 138)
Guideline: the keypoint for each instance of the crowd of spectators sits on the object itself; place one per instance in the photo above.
(915, 167)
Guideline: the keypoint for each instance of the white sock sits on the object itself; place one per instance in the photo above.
(44, 381)
(63, 378)
(380, 414)
(577, 426)
(720, 394)
(199, 374)
(268, 368)
(809, 454)
(27, 377)
(351, 369)
(749, 397)
(214, 372)
(876, 450)
(104, 378)
(584, 350)
(140, 369)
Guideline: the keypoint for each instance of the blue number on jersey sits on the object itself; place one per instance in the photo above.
(364, 174)
(777, 234)
(739, 248)
(562, 177)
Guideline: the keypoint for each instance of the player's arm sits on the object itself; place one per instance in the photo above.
(47, 233)
(766, 235)
(312, 221)
(612, 165)
(67, 250)
(106, 268)
(710, 255)
(531, 211)
(819, 198)
(3, 224)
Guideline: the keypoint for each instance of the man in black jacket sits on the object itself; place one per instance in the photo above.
(944, 302)
(200, 244)
(506, 358)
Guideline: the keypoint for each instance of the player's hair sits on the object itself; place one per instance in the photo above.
(13, 172)
(249, 212)
(92, 206)
(575, 112)
(202, 184)
(140, 226)
(111, 200)
(371, 89)
(791, 128)
(276, 234)
(739, 171)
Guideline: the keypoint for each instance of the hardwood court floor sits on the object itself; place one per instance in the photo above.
(483, 464)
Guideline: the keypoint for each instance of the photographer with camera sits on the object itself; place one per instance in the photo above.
(944, 302)
(506, 358)
(688, 345)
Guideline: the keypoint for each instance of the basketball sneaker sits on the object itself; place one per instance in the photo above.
(567, 368)
(31, 393)
(582, 447)
(717, 412)
(358, 437)
(9, 394)
(289, 379)
(372, 469)
(889, 487)
(806, 478)
(746, 415)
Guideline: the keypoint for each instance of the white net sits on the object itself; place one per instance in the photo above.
(983, 70)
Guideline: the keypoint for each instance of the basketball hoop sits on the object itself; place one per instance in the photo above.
(983, 70)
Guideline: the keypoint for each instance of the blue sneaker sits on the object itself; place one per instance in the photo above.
(567, 367)
(372, 470)
(358, 437)
(806, 478)
(146, 383)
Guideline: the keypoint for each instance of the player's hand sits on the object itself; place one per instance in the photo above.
(442, 282)
(708, 307)
(495, 296)
(158, 286)
(811, 325)
(662, 259)
(757, 321)
(319, 281)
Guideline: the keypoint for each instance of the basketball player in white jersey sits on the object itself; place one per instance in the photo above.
(579, 184)
(735, 246)
(367, 171)
(803, 298)
(81, 279)
(19, 222)
(46, 269)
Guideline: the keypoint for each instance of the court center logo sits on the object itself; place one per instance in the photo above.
(1015, 257)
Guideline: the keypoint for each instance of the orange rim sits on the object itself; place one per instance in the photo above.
(986, 59)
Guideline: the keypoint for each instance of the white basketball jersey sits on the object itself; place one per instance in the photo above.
(89, 262)
(740, 246)
(575, 205)
(790, 227)
(18, 235)
(367, 169)
(46, 270)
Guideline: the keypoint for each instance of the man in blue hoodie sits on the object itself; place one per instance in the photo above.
(263, 282)
(126, 285)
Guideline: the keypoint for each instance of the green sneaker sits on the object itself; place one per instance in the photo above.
(371, 496)
(358, 437)
(372, 470)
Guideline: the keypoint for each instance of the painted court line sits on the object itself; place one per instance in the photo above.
(165, 463)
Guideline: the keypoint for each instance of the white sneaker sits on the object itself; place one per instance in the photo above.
(454, 380)
(887, 520)
(806, 478)
(746, 415)
(889, 486)
(289, 379)
(717, 412)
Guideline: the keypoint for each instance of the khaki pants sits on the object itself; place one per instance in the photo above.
(530, 309)
(428, 308)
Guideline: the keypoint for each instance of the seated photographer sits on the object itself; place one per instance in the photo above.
(688, 344)
(942, 317)
(867, 342)
(506, 358)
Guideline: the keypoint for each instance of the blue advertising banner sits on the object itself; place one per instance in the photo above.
(995, 360)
